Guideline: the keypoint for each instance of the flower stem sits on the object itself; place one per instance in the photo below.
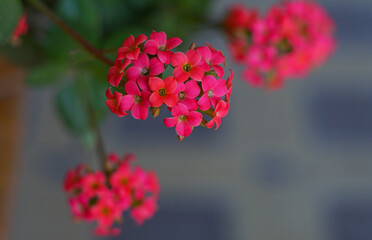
(72, 33)
(94, 126)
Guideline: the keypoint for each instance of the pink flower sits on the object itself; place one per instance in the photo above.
(239, 17)
(117, 71)
(137, 101)
(289, 41)
(93, 183)
(221, 111)
(238, 48)
(187, 65)
(121, 177)
(144, 211)
(183, 119)
(193, 84)
(130, 47)
(79, 207)
(158, 44)
(21, 29)
(213, 91)
(143, 68)
(106, 211)
(187, 93)
(163, 91)
(212, 58)
(115, 103)
(103, 197)
(73, 178)
(152, 184)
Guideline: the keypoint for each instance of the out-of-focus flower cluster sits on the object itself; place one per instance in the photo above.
(289, 41)
(195, 87)
(21, 29)
(103, 196)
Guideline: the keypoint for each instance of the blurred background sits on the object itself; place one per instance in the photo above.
(288, 164)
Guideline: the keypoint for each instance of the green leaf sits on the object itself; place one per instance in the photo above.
(10, 12)
(46, 74)
(72, 108)
(74, 100)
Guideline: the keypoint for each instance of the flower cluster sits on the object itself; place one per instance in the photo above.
(195, 87)
(289, 41)
(103, 196)
(21, 29)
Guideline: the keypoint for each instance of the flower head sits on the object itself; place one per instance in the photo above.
(289, 41)
(139, 81)
(103, 197)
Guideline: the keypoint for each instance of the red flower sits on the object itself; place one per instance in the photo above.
(130, 47)
(163, 91)
(187, 65)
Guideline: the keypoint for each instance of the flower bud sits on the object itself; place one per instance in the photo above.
(155, 111)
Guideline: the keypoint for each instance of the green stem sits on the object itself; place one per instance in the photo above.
(72, 33)
(94, 125)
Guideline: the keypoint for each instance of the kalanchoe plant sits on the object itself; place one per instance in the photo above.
(289, 41)
(196, 86)
(103, 196)
(149, 75)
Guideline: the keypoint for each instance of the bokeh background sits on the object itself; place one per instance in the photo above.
(288, 164)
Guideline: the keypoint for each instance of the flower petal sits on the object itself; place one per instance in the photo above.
(156, 66)
(194, 118)
(151, 47)
(155, 84)
(156, 100)
(159, 37)
(204, 103)
(165, 56)
(142, 82)
(180, 75)
(139, 112)
(140, 39)
(170, 99)
(190, 103)
(179, 109)
(170, 84)
(142, 61)
(129, 41)
(219, 70)
(170, 122)
(109, 94)
(183, 128)
(133, 73)
(172, 43)
(131, 88)
(193, 57)
(192, 89)
(196, 73)
(133, 55)
(204, 51)
(219, 88)
(208, 82)
(178, 59)
(127, 102)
